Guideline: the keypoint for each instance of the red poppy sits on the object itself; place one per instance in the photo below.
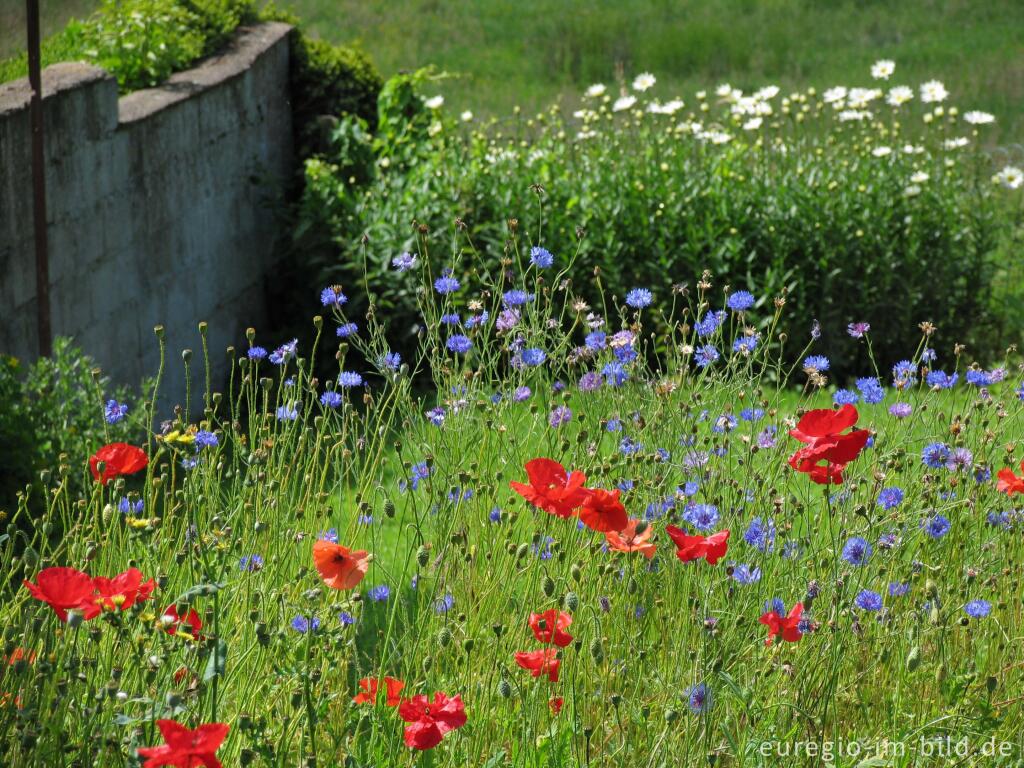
(712, 548)
(1008, 482)
(540, 663)
(122, 591)
(65, 589)
(551, 488)
(821, 431)
(185, 748)
(603, 512)
(549, 627)
(369, 686)
(555, 703)
(785, 626)
(189, 624)
(118, 459)
(430, 721)
(634, 537)
(340, 567)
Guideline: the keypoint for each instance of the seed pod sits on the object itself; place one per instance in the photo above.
(548, 586)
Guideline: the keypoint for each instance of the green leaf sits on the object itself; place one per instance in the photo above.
(217, 661)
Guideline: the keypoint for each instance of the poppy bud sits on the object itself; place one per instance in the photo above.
(504, 689)
(159, 331)
(422, 556)
(389, 508)
(548, 586)
(186, 356)
(576, 572)
(596, 650)
(571, 601)
(467, 644)
(246, 757)
(428, 662)
(521, 551)
(444, 637)
(671, 716)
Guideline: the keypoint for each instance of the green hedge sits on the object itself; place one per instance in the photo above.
(879, 217)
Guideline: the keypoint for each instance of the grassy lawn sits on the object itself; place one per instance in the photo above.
(528, 53)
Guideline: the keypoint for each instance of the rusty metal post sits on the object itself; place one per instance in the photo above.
(39, 182)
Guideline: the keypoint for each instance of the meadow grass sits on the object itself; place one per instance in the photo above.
(668, 664)
(529, 53)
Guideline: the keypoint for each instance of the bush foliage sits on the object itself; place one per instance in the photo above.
(844, 204)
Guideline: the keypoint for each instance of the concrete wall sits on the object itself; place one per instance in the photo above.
(156, 207)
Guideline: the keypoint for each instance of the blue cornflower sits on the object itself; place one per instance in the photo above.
(978, 609)
(331, 535)
(857, 330)
(560, 415)
(937, 526)
(615, 374)
(544, 553)
(390, 360)
(901, 410)
(516, 298)
(444, 604)
(347, 330)
(775, 605)
(935, 455)
(250, 563)
(613, 425)
(761, 534)
(541, 257)
(403, 262)
(818, 363)
(978, 378)
(960, 459)
(904, 374)
(206, 439)
(115, 411)
(332, 296)
(740, 301)
(129, 507)
(628, 446)
(304, 624)
(871, 390)
(703, 517)
(744, 574)
(348, 379)
(590, 381)
(941, 379)
(868, 600)
(709, 323)
(379, 593)
(534, 356)
(744, 345)
(495, 515)
(596, 340)
(521, 393)
(724, 423)
(845, 397)
(450, 318)
(698, 698)
(752, 415)
(446, 284)
(856, 551)
(890, 497)
(1020, 392)
(346, 619)
(898, 589)
(256, 353)
(436, 416)
(638, 298)
(459, 344)
(287, 413)
(285, 352)
(705, 356)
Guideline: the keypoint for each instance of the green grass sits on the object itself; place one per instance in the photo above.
(528, 52)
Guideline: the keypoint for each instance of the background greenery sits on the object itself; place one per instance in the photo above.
(530, 52)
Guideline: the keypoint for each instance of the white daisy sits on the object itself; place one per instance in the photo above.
(975, 117)
(956, 143)
(623, 102)
(753, 124)
(899, 95)
(883, 69)
(466, 116)
(833, 95)
(881, 151)
(596, 90)
(1010, 177)
(644, 81)
(920, 177)
(933, 91)
(434, 102)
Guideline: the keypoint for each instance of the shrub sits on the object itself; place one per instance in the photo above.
(834, 201)
(52, 413)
